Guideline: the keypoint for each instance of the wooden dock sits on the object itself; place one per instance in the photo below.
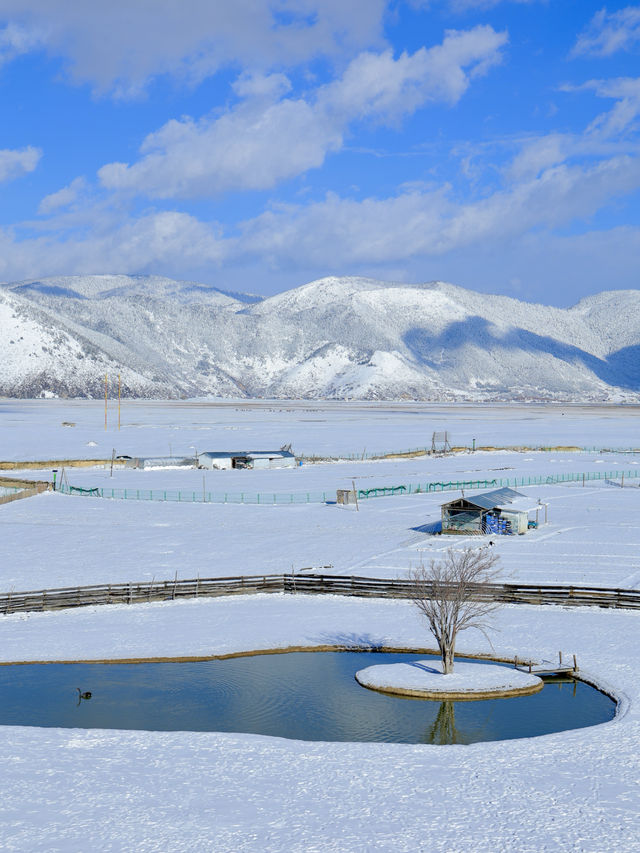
(547, 667)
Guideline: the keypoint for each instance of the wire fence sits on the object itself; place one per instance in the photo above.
(366, 455)
(297, 498)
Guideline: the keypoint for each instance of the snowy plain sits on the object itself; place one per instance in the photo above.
(114, 790)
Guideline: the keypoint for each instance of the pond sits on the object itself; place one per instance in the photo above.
(303, 695)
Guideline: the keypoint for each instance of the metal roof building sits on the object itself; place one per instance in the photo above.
(501, 511)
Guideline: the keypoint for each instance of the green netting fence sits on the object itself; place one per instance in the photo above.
(297, 498)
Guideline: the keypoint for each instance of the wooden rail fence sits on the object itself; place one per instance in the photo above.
(129, 593)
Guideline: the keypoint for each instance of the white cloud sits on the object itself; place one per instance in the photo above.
(419, 226)
(609, 32)
(252, 147)
(420, 229)
(539, 154)
(268, 86)
(380, 86)
(423, 224)
(263, 141)
(119, 45)
(609, 132)
(153, 242)
(17, 162)
(621, 118)
(16, 40)
(465, 5)
(62, 198)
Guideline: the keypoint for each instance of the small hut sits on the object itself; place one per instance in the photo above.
(501, 512)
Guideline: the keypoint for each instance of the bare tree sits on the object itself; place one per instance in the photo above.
(452, 595)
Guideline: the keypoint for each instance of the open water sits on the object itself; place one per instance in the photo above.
(303, 695)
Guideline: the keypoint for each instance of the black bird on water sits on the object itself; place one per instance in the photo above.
(81, 695)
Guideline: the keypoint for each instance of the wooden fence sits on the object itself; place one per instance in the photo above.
(19, 494)
(129, 593)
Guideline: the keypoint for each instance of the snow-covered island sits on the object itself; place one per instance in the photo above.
(468, 681)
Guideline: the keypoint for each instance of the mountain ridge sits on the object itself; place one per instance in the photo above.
(337, 337)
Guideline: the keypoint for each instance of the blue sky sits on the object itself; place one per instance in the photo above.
(259, 144)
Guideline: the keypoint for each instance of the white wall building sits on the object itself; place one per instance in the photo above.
(224, 460)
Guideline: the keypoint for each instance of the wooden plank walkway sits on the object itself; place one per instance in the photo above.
(540, 669)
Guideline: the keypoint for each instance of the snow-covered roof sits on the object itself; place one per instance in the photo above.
(254, 454)
(490, 500)
(257, 454)
(523, 504)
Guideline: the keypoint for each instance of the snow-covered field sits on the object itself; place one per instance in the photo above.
(75, 790)
(33, 429)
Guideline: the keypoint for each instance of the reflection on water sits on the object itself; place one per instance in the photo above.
(443, 730)
(309, 696)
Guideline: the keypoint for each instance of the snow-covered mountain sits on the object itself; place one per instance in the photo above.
(336, 338)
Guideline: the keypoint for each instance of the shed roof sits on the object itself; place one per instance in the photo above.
(491, 500)
(275, 454)
(521, 505)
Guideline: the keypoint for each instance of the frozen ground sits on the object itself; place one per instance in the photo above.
(75, 790)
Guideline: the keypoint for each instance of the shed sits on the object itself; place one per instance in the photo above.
(502, 511)
(157, 461)
(226, 459)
